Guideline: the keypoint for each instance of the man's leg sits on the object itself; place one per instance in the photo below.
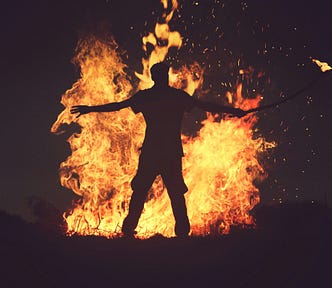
(176, 188)
(135, 209)
(182, 225)
(140, 184)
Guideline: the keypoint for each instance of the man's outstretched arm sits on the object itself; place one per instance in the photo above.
(84, 109)
(216, 108)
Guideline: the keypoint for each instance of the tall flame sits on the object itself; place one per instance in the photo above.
(219, 166)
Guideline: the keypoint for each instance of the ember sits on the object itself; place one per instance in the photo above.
(324, 66)
(220, 163)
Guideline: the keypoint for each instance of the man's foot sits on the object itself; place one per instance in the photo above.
(182, 230)
(129, 234)
(182, 236)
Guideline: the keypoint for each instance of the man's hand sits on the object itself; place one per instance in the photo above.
(80, 109)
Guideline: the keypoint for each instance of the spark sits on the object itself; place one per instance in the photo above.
(324, 66)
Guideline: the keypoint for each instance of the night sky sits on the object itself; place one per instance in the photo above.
(277, 37)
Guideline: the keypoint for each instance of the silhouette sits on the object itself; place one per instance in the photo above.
(163, 108)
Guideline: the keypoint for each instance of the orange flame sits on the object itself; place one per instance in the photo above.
(324, 66)
(219, 166)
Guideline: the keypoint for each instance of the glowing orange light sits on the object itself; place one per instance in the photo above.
(324, 66)
(219, 166)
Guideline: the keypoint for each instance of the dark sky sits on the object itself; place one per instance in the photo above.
(38, 42)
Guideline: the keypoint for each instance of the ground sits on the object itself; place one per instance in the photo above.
(290, 247)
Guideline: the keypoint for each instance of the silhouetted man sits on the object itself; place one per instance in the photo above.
(163, 108)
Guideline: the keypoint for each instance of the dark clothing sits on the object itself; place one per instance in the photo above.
(150, 166)
(161, 153)
(163, 110)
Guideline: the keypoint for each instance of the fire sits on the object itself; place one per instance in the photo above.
(219, 166)
(324, 66)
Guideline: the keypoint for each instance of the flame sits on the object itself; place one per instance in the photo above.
(324, 66)
(162, 33)
(220, 163)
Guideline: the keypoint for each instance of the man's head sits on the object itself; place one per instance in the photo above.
(159, 73)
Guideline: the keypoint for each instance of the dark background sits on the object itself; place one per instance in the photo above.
(38, 43)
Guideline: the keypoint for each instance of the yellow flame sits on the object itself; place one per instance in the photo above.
(219, 166)
(324, 66)
(162, 32)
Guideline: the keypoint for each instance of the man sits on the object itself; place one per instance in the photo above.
(163, 108)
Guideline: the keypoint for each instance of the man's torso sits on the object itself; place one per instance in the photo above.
(163, 110)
